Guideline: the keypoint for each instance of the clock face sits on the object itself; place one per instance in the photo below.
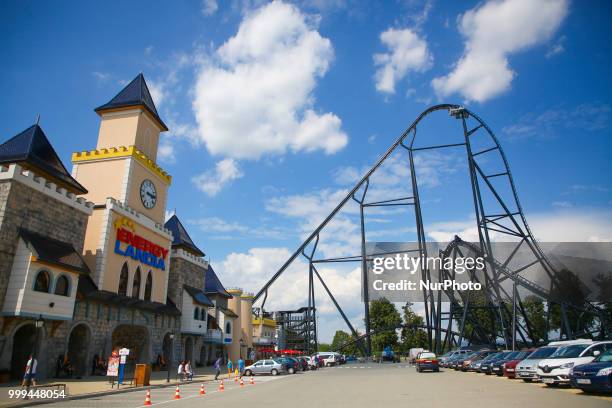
(148, 194)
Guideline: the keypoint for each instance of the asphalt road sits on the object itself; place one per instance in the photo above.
(360, 385)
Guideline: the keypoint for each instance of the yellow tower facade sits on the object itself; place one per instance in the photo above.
(126, 244)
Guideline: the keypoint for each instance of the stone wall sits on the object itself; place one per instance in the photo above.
(22, 206)
(183, 272)
(25, 207)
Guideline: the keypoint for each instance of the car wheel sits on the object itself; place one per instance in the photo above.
(248, 373)
(526, 380)
(552, 385)
(291, 370)
(274, 371)
(327, 364)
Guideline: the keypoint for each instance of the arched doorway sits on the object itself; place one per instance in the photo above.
(135, 338)
(167, 347)
(23, 345)
(189, 349)
(203, 356)
(78, 349)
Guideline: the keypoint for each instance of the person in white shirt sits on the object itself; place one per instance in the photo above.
(32, 362)
(181, 371)
(188, 371)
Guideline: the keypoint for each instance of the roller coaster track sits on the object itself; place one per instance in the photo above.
(497, 211)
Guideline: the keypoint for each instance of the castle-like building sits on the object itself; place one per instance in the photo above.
(89, 257)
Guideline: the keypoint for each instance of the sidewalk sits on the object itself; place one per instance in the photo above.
(99, 385)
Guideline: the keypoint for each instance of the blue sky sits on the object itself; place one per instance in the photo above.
(275, 108)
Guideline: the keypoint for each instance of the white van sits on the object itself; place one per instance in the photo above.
(556, 369)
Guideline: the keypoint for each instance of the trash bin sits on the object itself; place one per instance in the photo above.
(142, 375)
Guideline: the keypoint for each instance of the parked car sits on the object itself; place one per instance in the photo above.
(510, 365)
(265, 367)
(329, 359)
(595, 376)
(310, 360)
(465, 363)
(427, 361)
(493, 366)
(291, 365)
(303, 363)
(455, 355)
(555, 370)
(527, 369)
(485, 365)
(499, 366)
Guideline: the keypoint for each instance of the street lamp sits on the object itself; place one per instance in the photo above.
(38, 324)
(170, 357)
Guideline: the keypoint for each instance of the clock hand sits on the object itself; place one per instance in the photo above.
(151, 195)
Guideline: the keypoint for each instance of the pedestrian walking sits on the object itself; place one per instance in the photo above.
(188, 371)
(218, 363)
(241, 366)
(30, 376)
(181, 371)
(230, 368)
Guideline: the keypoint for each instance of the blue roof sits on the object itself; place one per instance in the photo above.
(181, 237)
(212, 284)
(32, 149)
(198, 296)
(136, 93)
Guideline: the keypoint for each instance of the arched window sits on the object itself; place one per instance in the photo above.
(228, 328)
(203, 314)
(62, 286)
(136, 284)
(149, 286)
(123, 280)
(41, 284)
(196, 313)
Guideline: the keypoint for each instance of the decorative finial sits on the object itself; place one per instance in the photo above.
(37, 119)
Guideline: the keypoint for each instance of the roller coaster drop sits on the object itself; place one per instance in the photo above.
(498, 213)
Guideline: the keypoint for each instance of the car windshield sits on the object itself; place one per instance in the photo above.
(508, 356)
(427, 355)
(569, 351)
(277, 361)
(542, 352)
(605, 357)
(521, 355)
(491, 357)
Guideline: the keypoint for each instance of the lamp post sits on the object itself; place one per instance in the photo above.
(170, 364)
(38, 324)
(241, 346)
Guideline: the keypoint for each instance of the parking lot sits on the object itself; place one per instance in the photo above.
(361, 385)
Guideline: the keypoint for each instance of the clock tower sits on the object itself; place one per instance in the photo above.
(123, 166)
(129, 191)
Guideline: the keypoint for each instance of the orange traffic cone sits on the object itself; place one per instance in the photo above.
(251, 381)
(241, 382)
(235, 378)
(148, 398)
(177, 393)
(221, 387)
(202, 390)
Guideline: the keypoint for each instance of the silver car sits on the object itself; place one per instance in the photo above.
(265, 367)
(526, 370)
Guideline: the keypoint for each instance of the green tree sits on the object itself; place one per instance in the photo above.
(384, 315)
(572, 291)
(341, 337)
(324, 347)
(413, 336)
(534, 311)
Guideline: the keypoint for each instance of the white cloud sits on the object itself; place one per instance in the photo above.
(251, 269)
(158, 93)
(209, 7)
(562, 225)
(493, 31)
(406, 52)
(254, 96)
(212, 181)
(166, 152)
